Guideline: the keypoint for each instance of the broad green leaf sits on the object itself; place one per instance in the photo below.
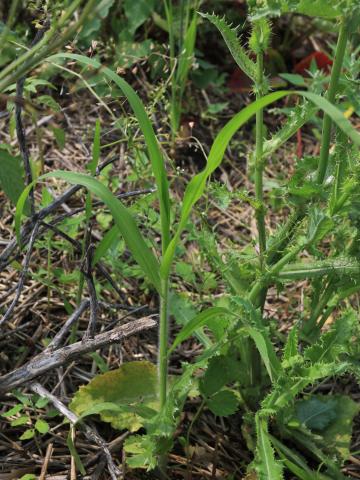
(137, 12)
(13, 411)
(266, 466)
(337, 436)
(200, 320)
(318, 8)
(196, 186)
(134, 384)
(316, 412)
(122, 218)
(223, 403)
(295, 79)
(11, 176)
(221, 371)
(156, 157)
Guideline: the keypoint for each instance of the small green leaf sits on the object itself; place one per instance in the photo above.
(337, 436)
(42, 402)
(42, 426)
(59, 134)
(223, 403)
(23, 420)
(28, 476)
(13, 411)
(28, 434)
(295, 79)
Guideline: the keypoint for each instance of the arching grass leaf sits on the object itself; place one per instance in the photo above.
(122, 218)
(156, 157)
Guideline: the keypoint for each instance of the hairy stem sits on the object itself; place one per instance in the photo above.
(331, 95)
(259, 165)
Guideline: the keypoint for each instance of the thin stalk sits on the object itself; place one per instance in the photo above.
(259, 163)
(163, 342)
(331, 96)
(173, 109)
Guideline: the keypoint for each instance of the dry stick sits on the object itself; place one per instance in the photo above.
(90, 434)
(87, 272)
(77, 245)
(59, 337)
(23, 274)
(20, 131)
(48, 360)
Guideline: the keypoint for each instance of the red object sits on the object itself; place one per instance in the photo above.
(239, 82)
(322, 61)
(299, 147)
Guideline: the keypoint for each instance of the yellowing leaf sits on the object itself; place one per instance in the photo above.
(120, 395)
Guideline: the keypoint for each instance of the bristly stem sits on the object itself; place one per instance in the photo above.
(331, 96)
(259, 165)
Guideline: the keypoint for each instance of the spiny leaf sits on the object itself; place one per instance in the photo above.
(298, 117)
(233, 42)
(196, 186)
(335, 341)
(291, 346)
(338, 266)
(266, 466)
(266, 350)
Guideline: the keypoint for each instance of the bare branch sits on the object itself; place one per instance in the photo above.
(48, 360)
(90, 434)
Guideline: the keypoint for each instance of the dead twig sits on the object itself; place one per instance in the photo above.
(49, 360)
(89, 433)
